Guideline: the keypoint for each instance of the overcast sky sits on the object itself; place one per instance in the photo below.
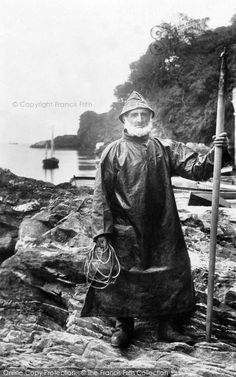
(60, 58)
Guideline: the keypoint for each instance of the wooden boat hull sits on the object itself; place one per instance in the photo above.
(50, 163)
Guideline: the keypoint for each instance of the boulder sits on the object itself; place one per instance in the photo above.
(21, 197)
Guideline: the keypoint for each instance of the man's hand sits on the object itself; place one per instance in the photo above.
(221, 140)
(102, 242)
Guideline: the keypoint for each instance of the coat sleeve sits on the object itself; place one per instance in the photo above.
(102, 221)
(188, 164)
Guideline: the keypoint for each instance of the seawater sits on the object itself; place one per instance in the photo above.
(27, 162)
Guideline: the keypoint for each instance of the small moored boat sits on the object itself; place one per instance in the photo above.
(51, 162)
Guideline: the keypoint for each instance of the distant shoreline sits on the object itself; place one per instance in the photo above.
(55, 147)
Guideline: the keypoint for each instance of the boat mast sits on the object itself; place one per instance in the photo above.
(46, 150)
(52, 144)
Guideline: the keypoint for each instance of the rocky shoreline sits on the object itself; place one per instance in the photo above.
(45, 236)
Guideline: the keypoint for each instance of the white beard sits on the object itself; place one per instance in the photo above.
(137, 131)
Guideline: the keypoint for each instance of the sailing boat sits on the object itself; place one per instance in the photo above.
(51, 162)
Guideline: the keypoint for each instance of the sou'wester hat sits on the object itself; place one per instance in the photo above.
(134, 101)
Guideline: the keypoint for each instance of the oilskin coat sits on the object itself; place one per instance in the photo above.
(134, 206)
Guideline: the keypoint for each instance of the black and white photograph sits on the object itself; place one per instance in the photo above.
(118, 188)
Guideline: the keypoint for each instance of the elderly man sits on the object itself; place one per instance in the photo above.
(134, 209)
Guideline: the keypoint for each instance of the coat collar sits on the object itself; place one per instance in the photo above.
(139, 140)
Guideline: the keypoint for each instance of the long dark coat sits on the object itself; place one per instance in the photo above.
(134, 204)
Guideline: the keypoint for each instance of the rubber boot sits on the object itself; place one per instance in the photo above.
(168, 333)
(123, 332)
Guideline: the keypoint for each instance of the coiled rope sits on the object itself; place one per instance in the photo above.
(102, 267)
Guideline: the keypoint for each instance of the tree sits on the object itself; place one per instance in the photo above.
(122, 91)
(173, 42)
(178, 75)
(233, 20)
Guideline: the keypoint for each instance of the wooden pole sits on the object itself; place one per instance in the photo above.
(215, 196)
(234, 105)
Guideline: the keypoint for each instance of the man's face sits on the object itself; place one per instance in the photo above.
(138, 118)
(138, 122)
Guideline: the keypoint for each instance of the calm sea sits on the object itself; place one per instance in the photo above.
(27, 162)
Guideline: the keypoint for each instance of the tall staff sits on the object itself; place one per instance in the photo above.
(234, 105)
(215, 194)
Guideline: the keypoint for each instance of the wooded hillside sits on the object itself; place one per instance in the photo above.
(179, 76)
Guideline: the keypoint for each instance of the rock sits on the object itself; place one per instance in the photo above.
(30, 230)
(21, 196)
(7, 244)
(27, 207)
(7, 348)
(72, 228)
(191, 215)
(230, 298)
(96, 327)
